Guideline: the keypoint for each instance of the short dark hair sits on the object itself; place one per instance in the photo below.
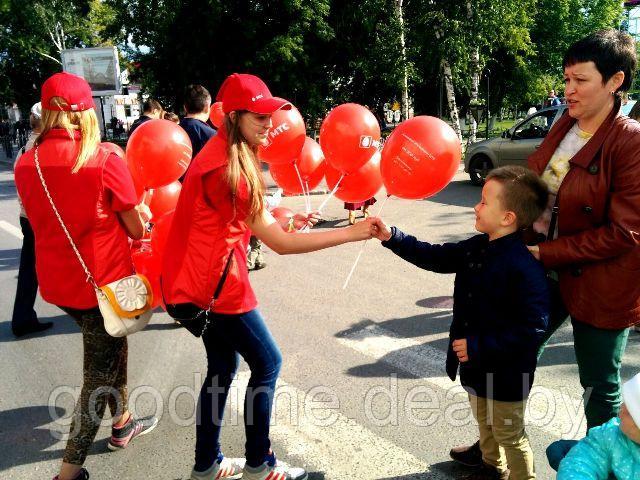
(196, 99)
(150, 105)
(523, 193)
(612, 52)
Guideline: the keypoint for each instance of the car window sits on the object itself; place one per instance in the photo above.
(537, 126)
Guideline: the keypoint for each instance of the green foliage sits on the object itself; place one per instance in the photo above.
(32, 34)
(318, 53)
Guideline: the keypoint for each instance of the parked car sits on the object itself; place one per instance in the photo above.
(513, 146)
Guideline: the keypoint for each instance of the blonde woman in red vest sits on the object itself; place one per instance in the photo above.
(94, 194)
(222, 197)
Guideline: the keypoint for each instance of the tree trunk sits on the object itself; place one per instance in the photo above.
(451, 97)
(405, 79)
(475, 83)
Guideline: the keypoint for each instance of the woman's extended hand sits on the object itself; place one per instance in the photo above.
(380, 229)
(363, 230)
(535, 251)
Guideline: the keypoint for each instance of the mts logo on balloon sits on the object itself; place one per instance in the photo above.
(367, 141)
(274, 132)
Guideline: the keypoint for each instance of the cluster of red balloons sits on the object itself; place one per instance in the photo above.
(158, 153)
(418, 160)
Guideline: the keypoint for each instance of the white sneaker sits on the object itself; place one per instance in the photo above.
(223, 468)
(273, 469)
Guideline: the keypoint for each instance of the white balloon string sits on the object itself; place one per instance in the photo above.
(322, 205)
(308, 196)
(304, 193)
(331, 194)
(364, 244)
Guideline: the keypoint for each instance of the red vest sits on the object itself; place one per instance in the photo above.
(94, 227)
(203, 236)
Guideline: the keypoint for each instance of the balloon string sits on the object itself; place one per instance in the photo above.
(333, 192)
(304, 193)
(322, 205)
(364, 244)
(308, 196)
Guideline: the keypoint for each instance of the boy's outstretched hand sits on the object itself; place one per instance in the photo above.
(460, 347)
(379, 229)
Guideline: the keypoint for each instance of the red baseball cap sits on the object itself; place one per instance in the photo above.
(73, 89)
(241, 91)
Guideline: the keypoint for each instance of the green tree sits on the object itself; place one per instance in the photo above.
(34, 33)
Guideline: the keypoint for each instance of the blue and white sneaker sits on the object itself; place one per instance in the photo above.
(274, 469)
(222, 468)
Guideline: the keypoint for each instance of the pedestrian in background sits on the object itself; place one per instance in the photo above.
(151, 110)
(25, 319)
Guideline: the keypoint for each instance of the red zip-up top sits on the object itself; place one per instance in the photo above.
(88, 202)
(207, 227)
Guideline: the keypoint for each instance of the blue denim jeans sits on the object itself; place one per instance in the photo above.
(227, 337)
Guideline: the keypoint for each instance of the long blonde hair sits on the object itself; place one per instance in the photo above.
(85, 121)
(243, 160)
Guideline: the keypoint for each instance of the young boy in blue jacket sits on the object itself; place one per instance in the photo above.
(500, 313)
(611, 450)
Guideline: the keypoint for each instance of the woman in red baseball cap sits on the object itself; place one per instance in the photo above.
(205, 278)
(96, 200)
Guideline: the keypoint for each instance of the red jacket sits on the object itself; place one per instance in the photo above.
(597, 252)
(87, 202)
(208, 226)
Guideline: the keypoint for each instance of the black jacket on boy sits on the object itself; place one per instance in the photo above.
(500, 305)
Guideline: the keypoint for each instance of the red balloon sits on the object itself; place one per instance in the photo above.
(310, 160)
(310, 165)
(113, 148)
(147, 263)
(420, 158)
(158, 153)
(349, 137)
(163, 199)
(357, 186)
(286, 137)
(282, 216)
(160, 233)
(216, 115)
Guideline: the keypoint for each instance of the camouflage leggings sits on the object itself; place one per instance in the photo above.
(105, 381)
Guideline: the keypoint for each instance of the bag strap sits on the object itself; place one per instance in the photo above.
(64, 228)
(222, 280)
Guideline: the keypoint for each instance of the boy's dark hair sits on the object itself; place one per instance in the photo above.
(523, 193)
(150, 105)
(196, 99)
(611, 50)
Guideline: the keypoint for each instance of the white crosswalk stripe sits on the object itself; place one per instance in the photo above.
(308, 425)
(555, 412)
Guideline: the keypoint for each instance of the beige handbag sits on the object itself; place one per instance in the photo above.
(125, 304)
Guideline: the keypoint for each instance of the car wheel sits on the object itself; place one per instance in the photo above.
(479, 168)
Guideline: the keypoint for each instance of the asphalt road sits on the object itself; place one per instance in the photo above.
(363, 392)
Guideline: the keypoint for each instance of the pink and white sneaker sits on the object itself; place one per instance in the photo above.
(121, 437)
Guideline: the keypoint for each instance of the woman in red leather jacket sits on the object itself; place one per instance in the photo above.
(222, 197)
